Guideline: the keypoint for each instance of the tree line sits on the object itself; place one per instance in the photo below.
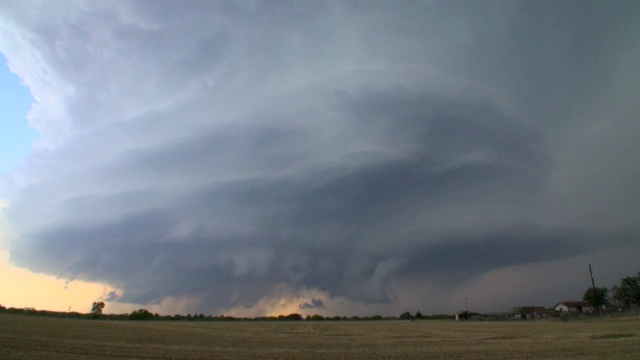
(144, 314)
(622, 296)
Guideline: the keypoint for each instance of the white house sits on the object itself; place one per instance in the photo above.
(574, 307)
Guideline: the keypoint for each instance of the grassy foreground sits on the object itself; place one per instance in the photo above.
(32, 337)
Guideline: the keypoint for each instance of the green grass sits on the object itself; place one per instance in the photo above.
(32, 337)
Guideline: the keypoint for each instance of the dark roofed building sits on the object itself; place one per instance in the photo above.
(574, 307)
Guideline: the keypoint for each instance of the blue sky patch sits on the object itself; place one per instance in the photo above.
(16, 137)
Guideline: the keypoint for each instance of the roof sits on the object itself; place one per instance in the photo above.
(574, 304)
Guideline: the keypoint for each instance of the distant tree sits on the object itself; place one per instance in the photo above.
(406, 316)
(141, 314)
(96, 309)
(293, 317)
(600, 299)
(419, 315)
(628, 292)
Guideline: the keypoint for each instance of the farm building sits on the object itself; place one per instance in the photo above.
(574, 307)
(529, 312)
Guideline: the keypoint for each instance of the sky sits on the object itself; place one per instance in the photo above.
(339, 157)
(16, 136)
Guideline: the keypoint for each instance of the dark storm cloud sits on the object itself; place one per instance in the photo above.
(307, 227)
(314, 304)
(220, 153)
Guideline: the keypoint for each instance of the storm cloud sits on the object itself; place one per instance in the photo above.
(220, 150)
(313, 304)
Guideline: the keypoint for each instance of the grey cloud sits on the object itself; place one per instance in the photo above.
(241, 150)
(281, 216)
(111, 296)
(314, 304)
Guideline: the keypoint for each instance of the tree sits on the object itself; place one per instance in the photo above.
(141, 314)
(293, 317)
(628, 292)
(96, 309)
(600, 299)
(406, 316)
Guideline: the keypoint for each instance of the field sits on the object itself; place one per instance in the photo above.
(33, 337)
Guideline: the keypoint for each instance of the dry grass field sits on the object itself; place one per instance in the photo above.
(30, 337)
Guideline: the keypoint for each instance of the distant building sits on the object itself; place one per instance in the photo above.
(574, 307)
(529, 312)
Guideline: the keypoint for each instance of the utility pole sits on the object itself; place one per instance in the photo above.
(593, 286)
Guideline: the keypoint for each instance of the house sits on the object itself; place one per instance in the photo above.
(574, 307)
